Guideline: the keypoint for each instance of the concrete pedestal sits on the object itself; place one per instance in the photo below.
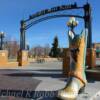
(3, 57)
(23, 57)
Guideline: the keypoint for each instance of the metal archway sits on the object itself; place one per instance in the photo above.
(32, 20)
(49, 17)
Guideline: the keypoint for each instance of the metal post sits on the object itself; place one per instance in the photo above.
(24, 40)
(1, 43)
(87, 19)
(22, 36)
(20, 39)
(88, 25)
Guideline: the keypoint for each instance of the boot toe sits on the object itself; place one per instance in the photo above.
(63, 95)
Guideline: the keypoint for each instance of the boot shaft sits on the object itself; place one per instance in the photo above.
(77, 45)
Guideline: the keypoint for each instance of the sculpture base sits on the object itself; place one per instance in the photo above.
(23, 57)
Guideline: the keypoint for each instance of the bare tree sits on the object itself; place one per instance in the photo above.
(47, 50)
(12, 46)
(40, 50)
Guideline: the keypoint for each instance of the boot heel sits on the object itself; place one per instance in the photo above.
(81, 90)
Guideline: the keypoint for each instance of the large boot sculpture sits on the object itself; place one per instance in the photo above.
(77, 79)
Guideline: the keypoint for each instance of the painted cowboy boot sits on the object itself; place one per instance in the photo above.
(77, 79)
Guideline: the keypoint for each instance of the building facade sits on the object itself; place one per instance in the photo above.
(97, 48)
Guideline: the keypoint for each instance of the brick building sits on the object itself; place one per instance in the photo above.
(97, 47)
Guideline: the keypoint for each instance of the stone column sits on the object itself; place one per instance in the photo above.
(66, 62)
(23, 57)
(3, 57)
(91, 58)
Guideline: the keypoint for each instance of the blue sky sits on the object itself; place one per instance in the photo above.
(12, 11)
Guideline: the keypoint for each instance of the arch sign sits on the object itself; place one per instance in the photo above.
(50, 13)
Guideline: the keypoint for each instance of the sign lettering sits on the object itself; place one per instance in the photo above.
(54, 9)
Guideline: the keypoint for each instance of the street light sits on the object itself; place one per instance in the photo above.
(1, 42)
(72, 23)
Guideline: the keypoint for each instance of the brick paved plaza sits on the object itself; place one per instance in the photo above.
(45, 76)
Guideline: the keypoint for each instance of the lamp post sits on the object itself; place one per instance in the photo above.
(1, 42)
(72, 23)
